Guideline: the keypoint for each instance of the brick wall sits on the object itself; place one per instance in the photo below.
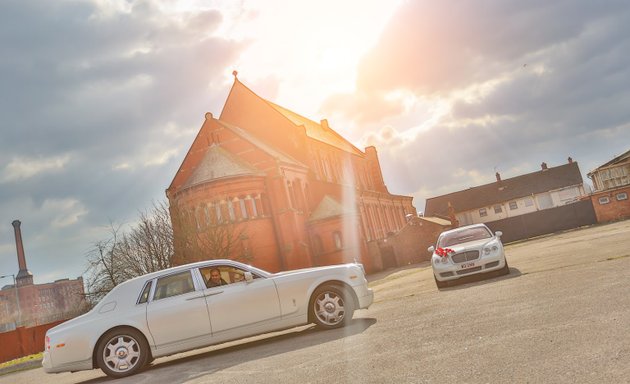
(614, 209)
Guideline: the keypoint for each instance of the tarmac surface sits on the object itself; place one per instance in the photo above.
(562, 315)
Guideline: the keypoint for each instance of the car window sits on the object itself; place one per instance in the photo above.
(173, 285)
(144, 296)
(464, 236)
(222, 275)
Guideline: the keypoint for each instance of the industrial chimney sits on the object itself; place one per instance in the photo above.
(24, 276)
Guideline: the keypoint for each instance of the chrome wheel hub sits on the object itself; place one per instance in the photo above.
(121, 353)
(329, 308)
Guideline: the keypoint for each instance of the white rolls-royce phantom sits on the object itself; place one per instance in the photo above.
(196, 305)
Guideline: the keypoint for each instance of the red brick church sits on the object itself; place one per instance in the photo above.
(282, 191)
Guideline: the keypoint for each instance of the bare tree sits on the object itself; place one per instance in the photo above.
(204, 236)
(146, 247)
(151, 245)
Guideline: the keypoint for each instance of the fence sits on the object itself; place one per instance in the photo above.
(546, 221)
(23, 341)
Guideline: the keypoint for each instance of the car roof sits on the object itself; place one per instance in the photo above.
(481, 225)
(184, 267)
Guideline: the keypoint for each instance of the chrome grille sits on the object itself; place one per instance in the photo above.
(465, 256)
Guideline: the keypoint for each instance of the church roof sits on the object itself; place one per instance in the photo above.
(219, 163)
(316, 130)
(329, 207)
(276, 154)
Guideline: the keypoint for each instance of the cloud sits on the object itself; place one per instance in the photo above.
(24, 168)
(495, 86)
(100, 101)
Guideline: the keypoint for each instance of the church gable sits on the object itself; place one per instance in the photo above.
(329, 208)
(219, 163)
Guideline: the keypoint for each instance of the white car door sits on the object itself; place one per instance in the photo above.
(177, 313)
(242, 305)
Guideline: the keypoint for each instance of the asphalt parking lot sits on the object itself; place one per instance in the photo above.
(561, 316)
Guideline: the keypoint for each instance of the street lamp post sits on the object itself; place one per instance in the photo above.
(17, 298)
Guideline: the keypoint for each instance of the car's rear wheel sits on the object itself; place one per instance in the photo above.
(331, 306)
(122, 352)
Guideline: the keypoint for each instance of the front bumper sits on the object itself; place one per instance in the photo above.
(452, 271)
(367, 299)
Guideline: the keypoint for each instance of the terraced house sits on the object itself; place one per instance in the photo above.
(263, 184)
(612, 187)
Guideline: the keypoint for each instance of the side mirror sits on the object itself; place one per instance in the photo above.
(498, 233)
(431, 249)
(248, 276)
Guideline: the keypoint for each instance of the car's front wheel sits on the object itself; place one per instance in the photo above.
(122, 352)
(331, 306)
(440, 284)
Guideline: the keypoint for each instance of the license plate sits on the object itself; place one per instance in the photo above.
(467, 265)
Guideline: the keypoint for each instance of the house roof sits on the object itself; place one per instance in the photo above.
(219, 163)
(624, 157)
(550, 179)
(329, 207)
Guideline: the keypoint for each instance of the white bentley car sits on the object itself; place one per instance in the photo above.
(197, 305)
(468, 250)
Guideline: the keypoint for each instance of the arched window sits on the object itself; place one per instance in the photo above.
(291, 194)
(231, 212)
(241, 202)
(318, 245)
(337, 240)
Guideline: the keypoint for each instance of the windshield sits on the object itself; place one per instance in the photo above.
(464, 236)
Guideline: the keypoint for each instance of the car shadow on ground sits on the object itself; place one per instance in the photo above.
(390, 271)
(224, 356)
(481, 279)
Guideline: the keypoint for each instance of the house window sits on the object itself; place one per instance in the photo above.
(498, 209)
(483, 212)
(622, 196)
(513, 205)
(604, 200)
(337, 239)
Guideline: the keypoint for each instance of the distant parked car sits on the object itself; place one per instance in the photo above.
(197, 305)
(468, 250)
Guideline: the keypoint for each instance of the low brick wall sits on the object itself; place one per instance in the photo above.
(23, 341)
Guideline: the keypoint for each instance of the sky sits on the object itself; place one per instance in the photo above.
(101, 99)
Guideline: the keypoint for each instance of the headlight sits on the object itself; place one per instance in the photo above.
(490, 248)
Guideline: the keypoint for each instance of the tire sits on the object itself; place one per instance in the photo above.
(331, 307)
(122, 352)
(505, 270)
(440, 284)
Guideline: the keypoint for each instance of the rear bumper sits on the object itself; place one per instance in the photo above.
(69, 367)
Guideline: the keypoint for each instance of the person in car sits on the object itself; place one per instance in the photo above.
(215, 278)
